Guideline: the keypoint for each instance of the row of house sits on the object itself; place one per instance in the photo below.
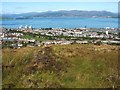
(77, 33)
(18, 41)
(12, 34)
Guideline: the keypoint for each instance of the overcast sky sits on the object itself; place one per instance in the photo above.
(24, 7)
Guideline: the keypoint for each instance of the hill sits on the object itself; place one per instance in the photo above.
(61, 66)
(63, 13)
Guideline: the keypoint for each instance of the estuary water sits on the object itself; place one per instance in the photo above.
(62, 22)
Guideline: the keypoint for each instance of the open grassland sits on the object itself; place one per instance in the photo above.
(61, 66)
(31, 37)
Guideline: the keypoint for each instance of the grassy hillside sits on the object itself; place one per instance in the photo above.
(61, 66)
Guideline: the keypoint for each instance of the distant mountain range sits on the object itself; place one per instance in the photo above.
(62, 13)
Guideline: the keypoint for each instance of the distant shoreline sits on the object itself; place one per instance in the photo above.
(51, 17)
(62, 28)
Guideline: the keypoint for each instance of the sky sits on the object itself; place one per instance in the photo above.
(24, 7)
(60, 0)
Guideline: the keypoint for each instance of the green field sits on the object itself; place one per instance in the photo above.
(31, 37)
(61, 66)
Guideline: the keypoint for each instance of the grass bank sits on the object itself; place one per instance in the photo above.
(61, 66)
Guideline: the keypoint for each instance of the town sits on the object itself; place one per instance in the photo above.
(29, 36)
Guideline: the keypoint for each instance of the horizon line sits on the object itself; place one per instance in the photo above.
(60, 10)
